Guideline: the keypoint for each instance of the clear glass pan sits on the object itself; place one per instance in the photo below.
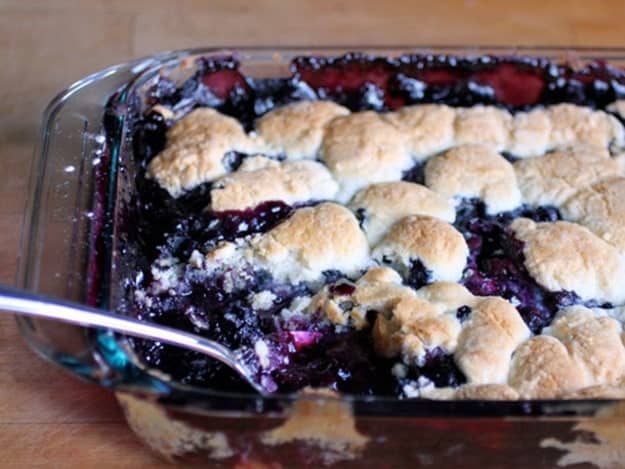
(74, 248)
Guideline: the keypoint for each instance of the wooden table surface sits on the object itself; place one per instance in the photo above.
(48, 418)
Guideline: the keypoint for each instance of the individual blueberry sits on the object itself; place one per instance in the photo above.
(566, 90)
(509, 156)
(463, 313)
(372, 316)
(232, 160)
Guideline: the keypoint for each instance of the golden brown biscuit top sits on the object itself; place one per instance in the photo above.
(369, 147)
(290, 182)
(362, 149)
(380, 206)
(428, 128)
(195, 150)
(601, 209)
(379, 289)
(296, 130)
(311, 241)
(436, 244)
(571, 125)
(474, 171)
(554, 178)
(567, 256)
(489, 337)
(593, 341)
(483, 125)
(543, 369)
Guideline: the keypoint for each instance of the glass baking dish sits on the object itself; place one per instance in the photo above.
(75, 246)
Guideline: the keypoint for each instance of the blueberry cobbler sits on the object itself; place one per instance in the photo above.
(416, 227)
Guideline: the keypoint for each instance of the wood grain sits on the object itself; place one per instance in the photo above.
(48, 418)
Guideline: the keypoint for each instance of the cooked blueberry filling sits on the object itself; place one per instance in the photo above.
(368, 97)
(246, 307)
(149, 136)
(207, 229)
(441, 369)
(437, 368)
(496, 262)
(344, 361)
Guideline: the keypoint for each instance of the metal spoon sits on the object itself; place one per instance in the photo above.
(32, 304)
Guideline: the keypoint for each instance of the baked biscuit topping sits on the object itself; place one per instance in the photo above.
(497, 392)
(571, 125)
(296, 130)
(195, 151)
(480, 392)
(311, 241)
(474, 171)
(379, 206)
(412, 327)
(600, 391)
(482, 345)
(437, 245)
(554, 178)
(566, 256)
(488, 338)
(594, 342)
(601, 209)
(380, 289)
(543, 369)
(483, 125)
(362, 149)
(491, 324)
(291, 182)
(428, 128)
(531, 132)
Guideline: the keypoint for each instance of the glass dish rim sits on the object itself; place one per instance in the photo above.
(143, 67)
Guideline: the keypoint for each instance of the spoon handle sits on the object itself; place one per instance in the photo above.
(32, 304)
